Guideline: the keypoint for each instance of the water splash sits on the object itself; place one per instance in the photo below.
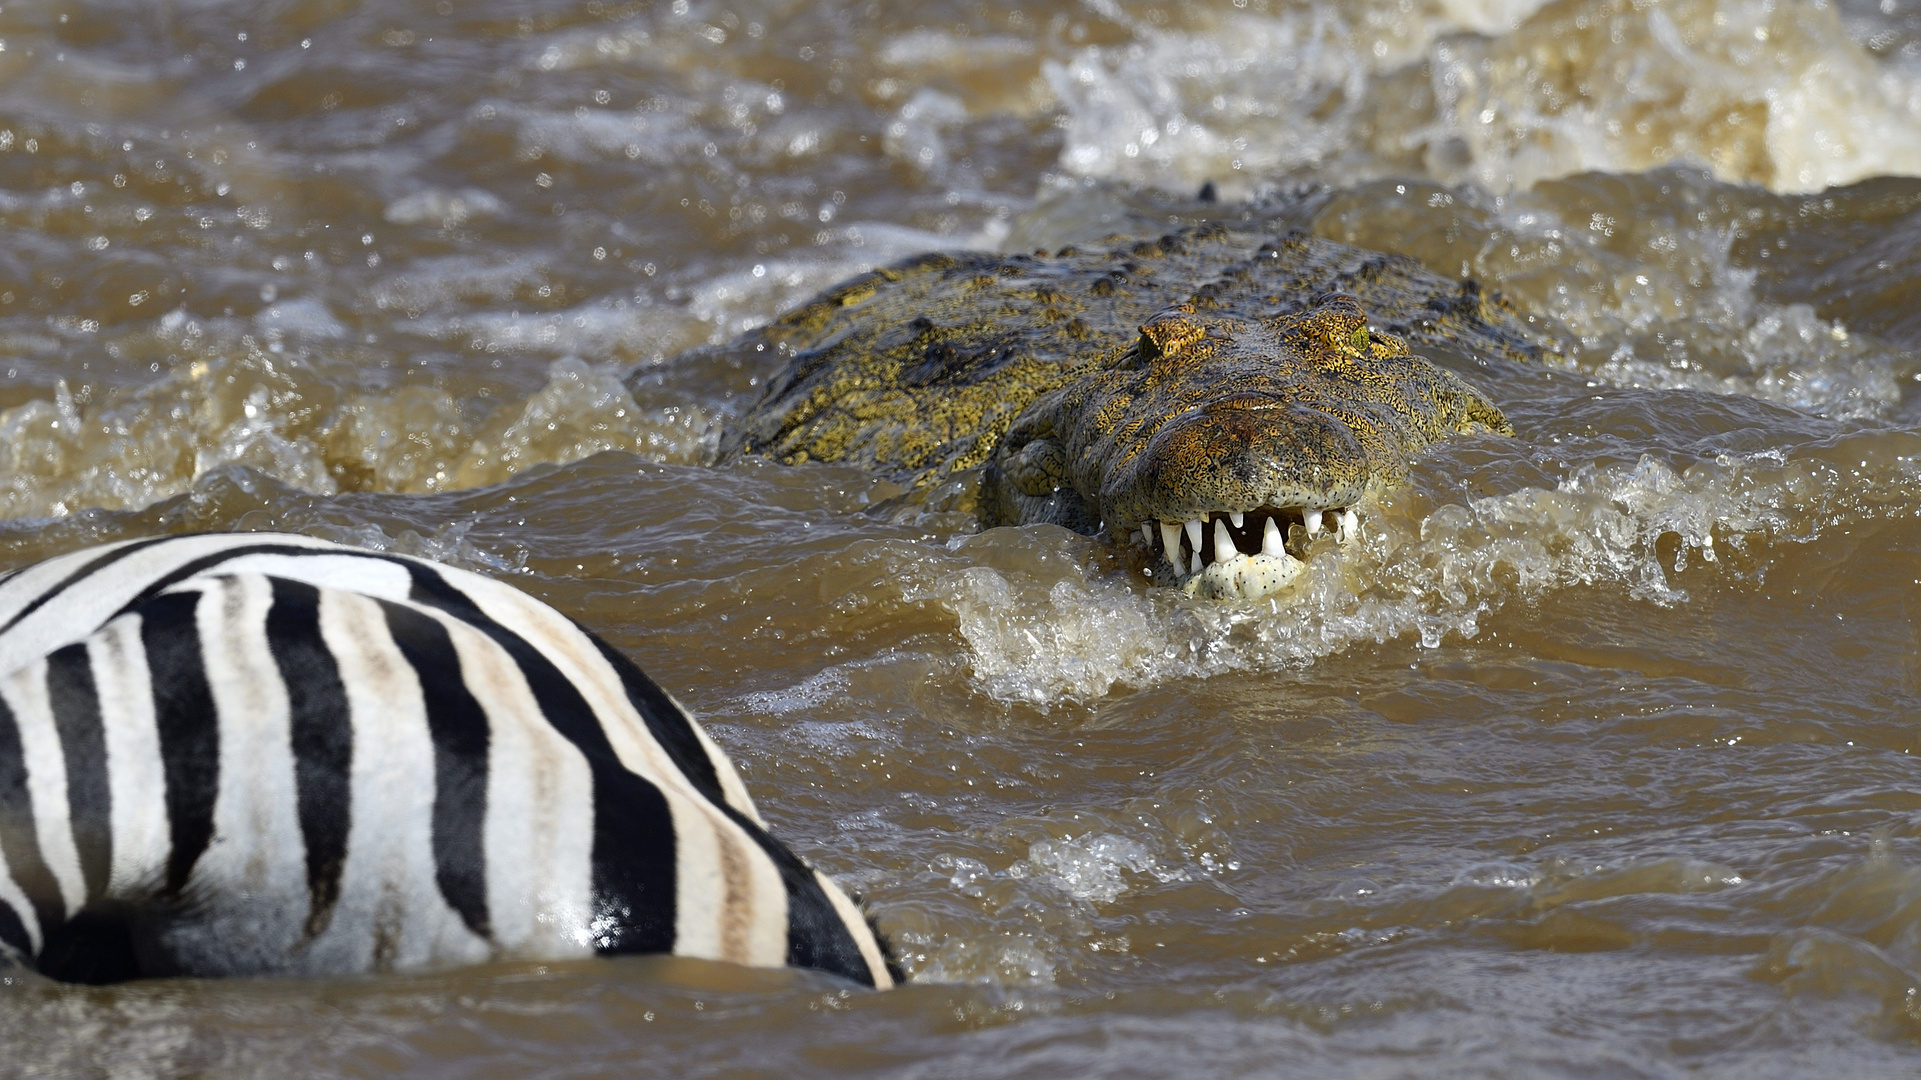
(1426, 573)
(1089, 869)
(1502, 95)
(285, 418)
(1642, 270)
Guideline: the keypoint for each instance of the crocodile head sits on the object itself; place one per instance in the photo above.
(1225, 446)
(1227, 437)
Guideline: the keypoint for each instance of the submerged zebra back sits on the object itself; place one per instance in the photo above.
(255, 753)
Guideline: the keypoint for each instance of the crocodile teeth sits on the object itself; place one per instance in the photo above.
(1239, 536)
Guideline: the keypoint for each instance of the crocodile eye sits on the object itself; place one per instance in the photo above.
(1169, 332)
(1361, 340)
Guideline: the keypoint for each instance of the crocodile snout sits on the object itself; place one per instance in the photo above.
(1243, 452)
(1226, 446)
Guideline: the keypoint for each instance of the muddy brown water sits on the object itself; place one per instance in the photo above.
(1596, 758)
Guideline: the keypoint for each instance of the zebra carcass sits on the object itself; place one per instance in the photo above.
(252, 754)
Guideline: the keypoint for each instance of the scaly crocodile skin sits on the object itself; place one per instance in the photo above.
(1206, 373)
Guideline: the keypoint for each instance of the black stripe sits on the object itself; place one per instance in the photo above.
(671, 728)
(18, 840)
(88, 570)
(95, 946)
(322, 738)
(624, 810)
(83, 742)
(633, 853)
(189, 730)
(13, 932)
(817, 936)
(459, 729)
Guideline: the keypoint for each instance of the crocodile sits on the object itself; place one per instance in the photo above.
(1216, 399)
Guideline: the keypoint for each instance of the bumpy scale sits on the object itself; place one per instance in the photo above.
(1218, 399)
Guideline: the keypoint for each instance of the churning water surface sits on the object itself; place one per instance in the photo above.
(1596, 758)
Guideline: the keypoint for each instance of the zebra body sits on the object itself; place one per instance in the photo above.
(250, 754)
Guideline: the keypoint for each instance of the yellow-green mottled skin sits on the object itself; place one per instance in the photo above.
(1163, 379)
(1199, 418)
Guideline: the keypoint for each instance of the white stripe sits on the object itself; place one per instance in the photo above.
(390, 914)
(136, 774)
(341, 568)
(254, 870)
(539, 830)
(80, 610)
(701, 900)
(731, 902)
(30, 583)
(747, 923)
(768, 945)
(26, 694)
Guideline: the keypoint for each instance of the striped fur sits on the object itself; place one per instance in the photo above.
(244, 754)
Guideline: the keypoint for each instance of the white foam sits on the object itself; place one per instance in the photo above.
(1641, 271)
(667, 138)
(1004, 959)
(300, 317)
(619, 327)
(1488, 16)
(1041, 638)
(803, 698)
(1176, 109)
(922, 48)
(710, 311)
(439, 206)
(917, 134)
(259, 440)
(583, 410)
(1089, 869)
(1784, 354)
(279, 417)
(1758, 92)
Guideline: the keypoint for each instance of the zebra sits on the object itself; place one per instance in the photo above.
(260, 754)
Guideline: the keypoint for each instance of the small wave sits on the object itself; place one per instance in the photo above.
(1859, 935)
(1021, 932)
(1041, 634)
(1641, 269)
(449, 544)
(279, 416)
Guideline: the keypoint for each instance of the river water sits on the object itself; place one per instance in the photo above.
(1596, 758)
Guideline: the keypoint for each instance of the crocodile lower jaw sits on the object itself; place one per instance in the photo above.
(1242, 555)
